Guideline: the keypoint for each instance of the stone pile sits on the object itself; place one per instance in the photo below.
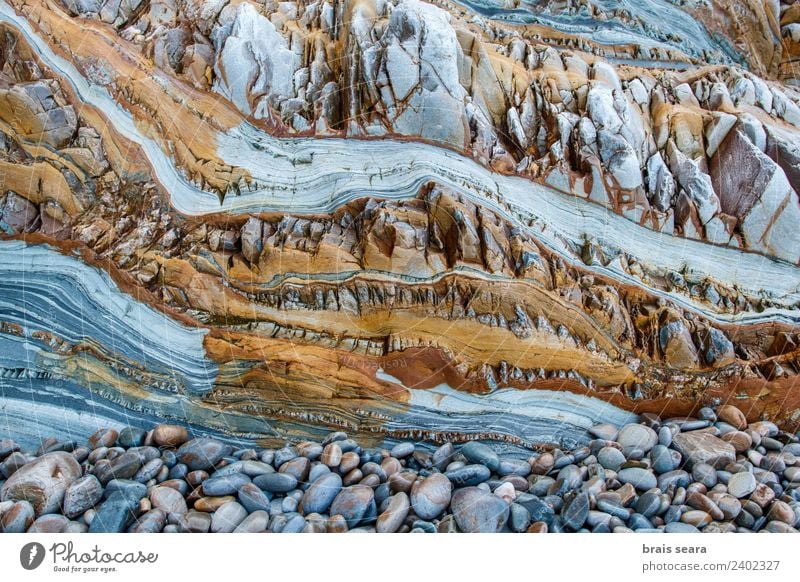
(713, 473)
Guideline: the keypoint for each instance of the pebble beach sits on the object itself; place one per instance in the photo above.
(712, 473)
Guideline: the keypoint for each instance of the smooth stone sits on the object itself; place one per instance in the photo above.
(152, 521)
(350, 461)
(640, 478)
(519, 518)
(513, 467)
(478, 511)
(469, 475)
(253, 498)
(149, 471)
(256, 522)
(729, 505)
(352, 504)
(299, 468)
(7, 446)
(680, 527)
(480, 453)
(637, 436)
(49, 523)
(331, 455)
(402, 481)
(540, 511)
(170, 435)
(105, 437)
(131, 437)
(676, 478)
(639, 522)
(431, 496)
(124, 466)
(168, 500)
(310, 450)
(742, 484)
(443, 455)
(132, 489)
(195, 522)
(276, 482)
(571, 476)
(610, 458)
(732, 415)
(648, 504)
(319, 496)
(225, 485)
(285, 454)
(605, 431)
(178, 485)
(114, 514)
(227, 517)
(402, 450)
(18, 518)
(661, 459)
(202, 453)
(705, 474)
(295, 524)
(665, 436)
(575, 512)
(792, 474)
(782, 511)
(393, 517)
(697, 518)
(540, 485)
(613, 509)
(81, 494)
(42, 482)
(704, 448)
(13, 463)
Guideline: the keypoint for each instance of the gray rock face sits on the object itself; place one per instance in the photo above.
(36, 115)
(17, 214)
(413, 72)
(255, 67)
(42, 482)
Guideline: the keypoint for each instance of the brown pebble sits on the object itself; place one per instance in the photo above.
(696, 518)
(170, 435)
(732, 415)
(763, 495)
(537, 527)
(331, 455)
(402, 481)
(353, 477)
(105, 437)
(211, 504)
(781, 511)
(542, 464)
(336, 524)
(350, 461)
(739, 440)
(390, 466)
(195, 478)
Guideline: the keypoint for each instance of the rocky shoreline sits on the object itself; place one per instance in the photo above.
(713, 473)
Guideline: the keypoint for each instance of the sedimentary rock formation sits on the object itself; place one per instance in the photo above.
(399, 218)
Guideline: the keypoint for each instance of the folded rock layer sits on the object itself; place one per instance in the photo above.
(404, 219)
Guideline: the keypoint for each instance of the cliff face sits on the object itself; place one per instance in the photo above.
(400, 218)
